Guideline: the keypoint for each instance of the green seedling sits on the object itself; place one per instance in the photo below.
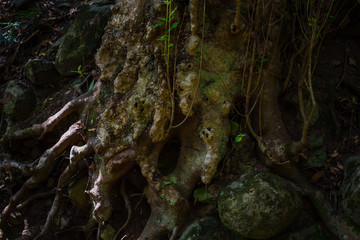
(239, 137)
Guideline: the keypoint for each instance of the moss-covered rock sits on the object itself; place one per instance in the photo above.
(41, 72)
(350, 189)
(259, 205)
(82, 39)
(208, 228)
(20, 101)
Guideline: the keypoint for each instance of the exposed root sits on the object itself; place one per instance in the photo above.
(41, 170)
(115, 168)
(37, 130)
(76, 155)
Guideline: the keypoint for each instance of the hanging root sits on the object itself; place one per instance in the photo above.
(128, 207)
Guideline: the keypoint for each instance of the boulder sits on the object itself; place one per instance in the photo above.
(20, 101)
(41, 72)
(259, 204)
(350, 189)
(82, 38)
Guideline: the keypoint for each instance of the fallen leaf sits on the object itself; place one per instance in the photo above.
(334, 154)
(352, 61)
(333, 170)
(317, 176)
(340, 166)
(302, 155)
(92, 130)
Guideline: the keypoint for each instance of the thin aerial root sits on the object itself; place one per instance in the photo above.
(41, 171)
(127, 205)
(76, 155)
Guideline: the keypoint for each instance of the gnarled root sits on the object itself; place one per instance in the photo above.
(41, 170)
(116, 167)
(76, 155)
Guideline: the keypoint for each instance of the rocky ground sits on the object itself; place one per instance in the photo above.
(42, 68)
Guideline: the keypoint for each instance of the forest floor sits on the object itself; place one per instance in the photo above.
(30, 31)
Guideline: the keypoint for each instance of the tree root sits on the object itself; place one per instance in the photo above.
(76, 155)
(41, 170)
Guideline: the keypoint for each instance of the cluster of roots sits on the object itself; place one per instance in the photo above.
(135, 106)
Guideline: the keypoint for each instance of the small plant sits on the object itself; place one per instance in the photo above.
(79, 71)
(239, 137)
(260, 61)
(82, 75)
(9, 35)
(169, 26)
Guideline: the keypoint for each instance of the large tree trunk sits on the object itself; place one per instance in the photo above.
(142, 102)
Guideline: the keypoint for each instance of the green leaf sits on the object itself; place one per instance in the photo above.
(79, 68)
(164, 54)
(172, 12)
(92, 84)
(162, 38)
(158, 25)
(162, 19)
(174, 25)
(165, 183)
(91, 121)
(266, 60)
(171, 45)
(239, 137)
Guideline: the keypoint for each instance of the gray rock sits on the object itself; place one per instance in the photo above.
(20, 101)
(350, 189)
(259, 205)
(41, 72)
(82, 38)
(208, 228)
